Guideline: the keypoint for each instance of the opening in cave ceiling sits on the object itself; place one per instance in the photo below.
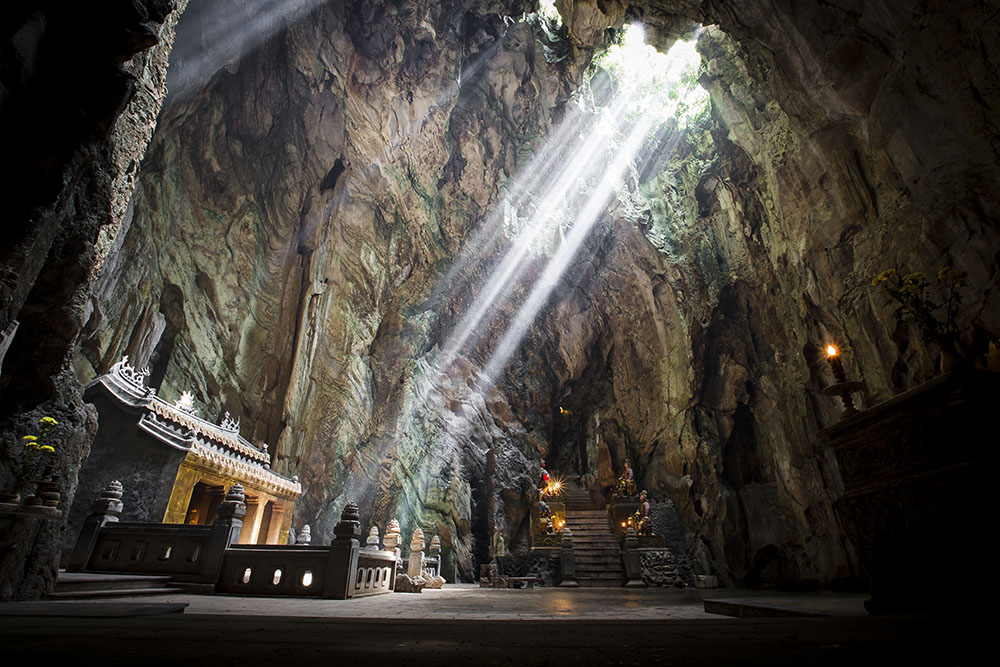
(614, 126)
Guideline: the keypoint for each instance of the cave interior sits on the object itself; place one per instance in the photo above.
(418, 247)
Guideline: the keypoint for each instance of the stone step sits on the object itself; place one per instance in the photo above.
(591, 530)
(610, 559)
(604, 566)
(600, 583)
(594, 537)
(602, 574)
(595, 523)
(85, 585)
(114, 593)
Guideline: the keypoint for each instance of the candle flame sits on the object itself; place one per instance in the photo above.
(831, 351)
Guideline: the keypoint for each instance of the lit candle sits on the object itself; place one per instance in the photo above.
(833, 356)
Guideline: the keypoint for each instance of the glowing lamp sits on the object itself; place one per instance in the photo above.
(841, 387)
(623, 524)
(833, 356)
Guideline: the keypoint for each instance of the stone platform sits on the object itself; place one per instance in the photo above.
(461, 625)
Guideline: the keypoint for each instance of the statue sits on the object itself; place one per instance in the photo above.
(641, 520)
(626, 483)
(499, 551)
(545, 518)
(545, 479)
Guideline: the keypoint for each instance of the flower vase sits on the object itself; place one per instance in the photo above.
(14, 495)
(48, 491)
(950, 358)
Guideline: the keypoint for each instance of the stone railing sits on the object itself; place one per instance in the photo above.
(339, 571)
(376, 573)
(209, 556)
(189, 553)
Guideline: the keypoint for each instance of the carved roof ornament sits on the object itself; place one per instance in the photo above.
(219, 447)
(127, 372)
(186, 402)
(231, 426)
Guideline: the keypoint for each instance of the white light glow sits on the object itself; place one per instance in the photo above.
(663, 84)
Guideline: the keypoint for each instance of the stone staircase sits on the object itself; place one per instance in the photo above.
(595, 547)
(86, 586)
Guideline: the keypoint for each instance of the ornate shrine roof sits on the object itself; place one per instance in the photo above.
(220, 447)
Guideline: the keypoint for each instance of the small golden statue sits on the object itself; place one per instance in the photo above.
(641, 520)
(626, 483)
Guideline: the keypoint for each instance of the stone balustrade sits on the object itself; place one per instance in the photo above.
(210, 557)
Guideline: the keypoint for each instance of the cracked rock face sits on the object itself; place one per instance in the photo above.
(287, 258)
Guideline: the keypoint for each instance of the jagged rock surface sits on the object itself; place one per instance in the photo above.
(294, 220)
(80, 87)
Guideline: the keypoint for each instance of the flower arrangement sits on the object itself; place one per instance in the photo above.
(36, 449)
(916, 303)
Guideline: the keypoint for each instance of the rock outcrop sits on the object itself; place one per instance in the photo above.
(80, 87)
(290, 257)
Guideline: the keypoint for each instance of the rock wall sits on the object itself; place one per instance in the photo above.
(80, 87)
(287, 258)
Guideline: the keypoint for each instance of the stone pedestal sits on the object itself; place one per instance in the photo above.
(620, 510)
(19, 525)
(917, 502)
(415, 565)
(633, 561)
(567, 561)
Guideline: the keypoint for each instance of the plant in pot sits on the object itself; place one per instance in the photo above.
(36, 451)
(935, 314)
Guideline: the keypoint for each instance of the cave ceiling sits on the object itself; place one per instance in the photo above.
(322, 206)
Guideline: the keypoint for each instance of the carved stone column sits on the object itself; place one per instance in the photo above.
(342, 566)
(567, 561)
(106, 509)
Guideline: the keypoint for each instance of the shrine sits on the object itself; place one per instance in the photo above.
(178, 465)
(465, 319)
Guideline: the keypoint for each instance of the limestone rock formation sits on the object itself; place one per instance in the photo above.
(289, 256)
(297, 219)
(80, 87)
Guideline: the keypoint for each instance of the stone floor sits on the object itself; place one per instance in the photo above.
(468, 625)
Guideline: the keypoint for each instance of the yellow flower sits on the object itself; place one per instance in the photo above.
(914, 277)
(48, 420)
(33, 444)
(882, 277)
(47, 448)
(30, 437)
(943, 273)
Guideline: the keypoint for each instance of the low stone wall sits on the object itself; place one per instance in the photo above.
(209, 555)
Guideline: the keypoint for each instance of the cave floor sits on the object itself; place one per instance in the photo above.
(468, 625)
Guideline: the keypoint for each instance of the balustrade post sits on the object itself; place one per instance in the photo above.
(106, 509)
(225, 531)
(633, 563)
(567, 561)
(342, 565)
